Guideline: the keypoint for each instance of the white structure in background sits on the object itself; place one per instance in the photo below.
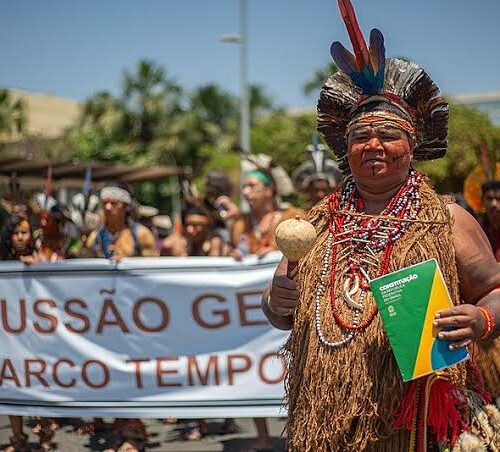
(487, 102)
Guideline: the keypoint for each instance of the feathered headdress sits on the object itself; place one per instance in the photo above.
(317, 167)
(367, 76)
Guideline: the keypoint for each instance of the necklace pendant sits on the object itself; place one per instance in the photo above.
(351, 287)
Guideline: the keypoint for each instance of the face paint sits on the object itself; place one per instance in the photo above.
(379, 153)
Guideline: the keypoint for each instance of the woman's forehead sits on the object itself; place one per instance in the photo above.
(252, 180)
(376, 128)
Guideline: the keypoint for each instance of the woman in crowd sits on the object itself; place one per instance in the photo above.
(17, 243)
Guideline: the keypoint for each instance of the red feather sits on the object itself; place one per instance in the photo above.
(485, 158)
(48, 182)
(355, 35)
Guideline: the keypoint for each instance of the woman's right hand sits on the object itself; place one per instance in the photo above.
(35, 258)
(228, 206)
(283, 296)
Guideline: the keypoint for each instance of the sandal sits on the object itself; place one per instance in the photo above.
(96, 426)
(169, 420)
(196, 431)
(133, 434)
(18, 443)
(45, 429)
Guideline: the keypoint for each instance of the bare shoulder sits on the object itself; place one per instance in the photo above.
(147, 241)
(144, 233)
(468, 236)
(461, 216)
(477, 267)
(292, 212)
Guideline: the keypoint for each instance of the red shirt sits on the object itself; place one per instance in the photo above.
(493, 236)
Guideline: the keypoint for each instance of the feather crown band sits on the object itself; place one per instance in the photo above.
(116, 194)
(367, 77)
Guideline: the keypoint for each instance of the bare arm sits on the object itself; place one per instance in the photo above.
(477, 268)
(174, 245)
(217, 247)
(479, 275)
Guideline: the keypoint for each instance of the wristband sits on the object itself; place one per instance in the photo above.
(489, 321)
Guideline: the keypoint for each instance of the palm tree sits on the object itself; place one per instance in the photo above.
(260, 102)
(319, 77)
(12, 115)
(150, 97)
(105, 113)
(213, 104)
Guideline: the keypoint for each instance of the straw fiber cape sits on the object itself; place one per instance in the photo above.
(345, 398)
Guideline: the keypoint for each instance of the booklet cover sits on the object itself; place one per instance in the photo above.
(408, 300)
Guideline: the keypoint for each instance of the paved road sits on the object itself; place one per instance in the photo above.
(164, 438)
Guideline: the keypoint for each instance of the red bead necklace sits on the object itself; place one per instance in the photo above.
(404, 206)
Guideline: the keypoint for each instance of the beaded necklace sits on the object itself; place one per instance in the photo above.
(363, 244)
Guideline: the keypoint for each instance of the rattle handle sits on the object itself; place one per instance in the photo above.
(292, 269)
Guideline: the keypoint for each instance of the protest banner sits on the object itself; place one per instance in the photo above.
(148, 337)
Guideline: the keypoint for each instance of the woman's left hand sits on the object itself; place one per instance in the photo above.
(466, 324)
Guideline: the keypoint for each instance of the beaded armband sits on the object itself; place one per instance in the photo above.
(489, 321)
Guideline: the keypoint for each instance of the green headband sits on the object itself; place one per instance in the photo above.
(263, 177)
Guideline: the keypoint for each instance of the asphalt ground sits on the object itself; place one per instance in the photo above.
(163, 437)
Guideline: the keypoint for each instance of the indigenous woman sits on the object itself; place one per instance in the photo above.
(344, 389)
(17, 244)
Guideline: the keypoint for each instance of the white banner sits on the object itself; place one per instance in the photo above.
(148, 337)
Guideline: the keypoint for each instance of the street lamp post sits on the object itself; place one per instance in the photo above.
(242, 40)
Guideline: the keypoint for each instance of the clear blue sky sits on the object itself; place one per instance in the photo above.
(73, 48)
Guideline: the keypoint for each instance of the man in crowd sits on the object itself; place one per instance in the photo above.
(491, 221)
(318, 176)
(52, 240)
(198, 237)
(253, 232)
(120, 236)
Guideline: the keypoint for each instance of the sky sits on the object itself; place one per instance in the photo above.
(74, 48)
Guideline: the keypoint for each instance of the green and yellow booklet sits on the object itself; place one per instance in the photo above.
(408, 300)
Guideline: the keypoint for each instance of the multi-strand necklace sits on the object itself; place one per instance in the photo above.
(361, 245)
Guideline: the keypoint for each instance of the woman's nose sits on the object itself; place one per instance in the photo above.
(374, 143)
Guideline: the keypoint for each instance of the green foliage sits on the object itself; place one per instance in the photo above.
(283, 137)
(468, 128)
(156, 121)
(12, 115)
(314, 84)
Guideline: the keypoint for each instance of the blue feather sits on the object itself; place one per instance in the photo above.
(370, 78)
(343, 58)
(377, 56)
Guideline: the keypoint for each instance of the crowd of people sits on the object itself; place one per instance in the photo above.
(374, 213)
(110, 225)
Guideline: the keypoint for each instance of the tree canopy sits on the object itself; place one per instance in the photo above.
(156, 120)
